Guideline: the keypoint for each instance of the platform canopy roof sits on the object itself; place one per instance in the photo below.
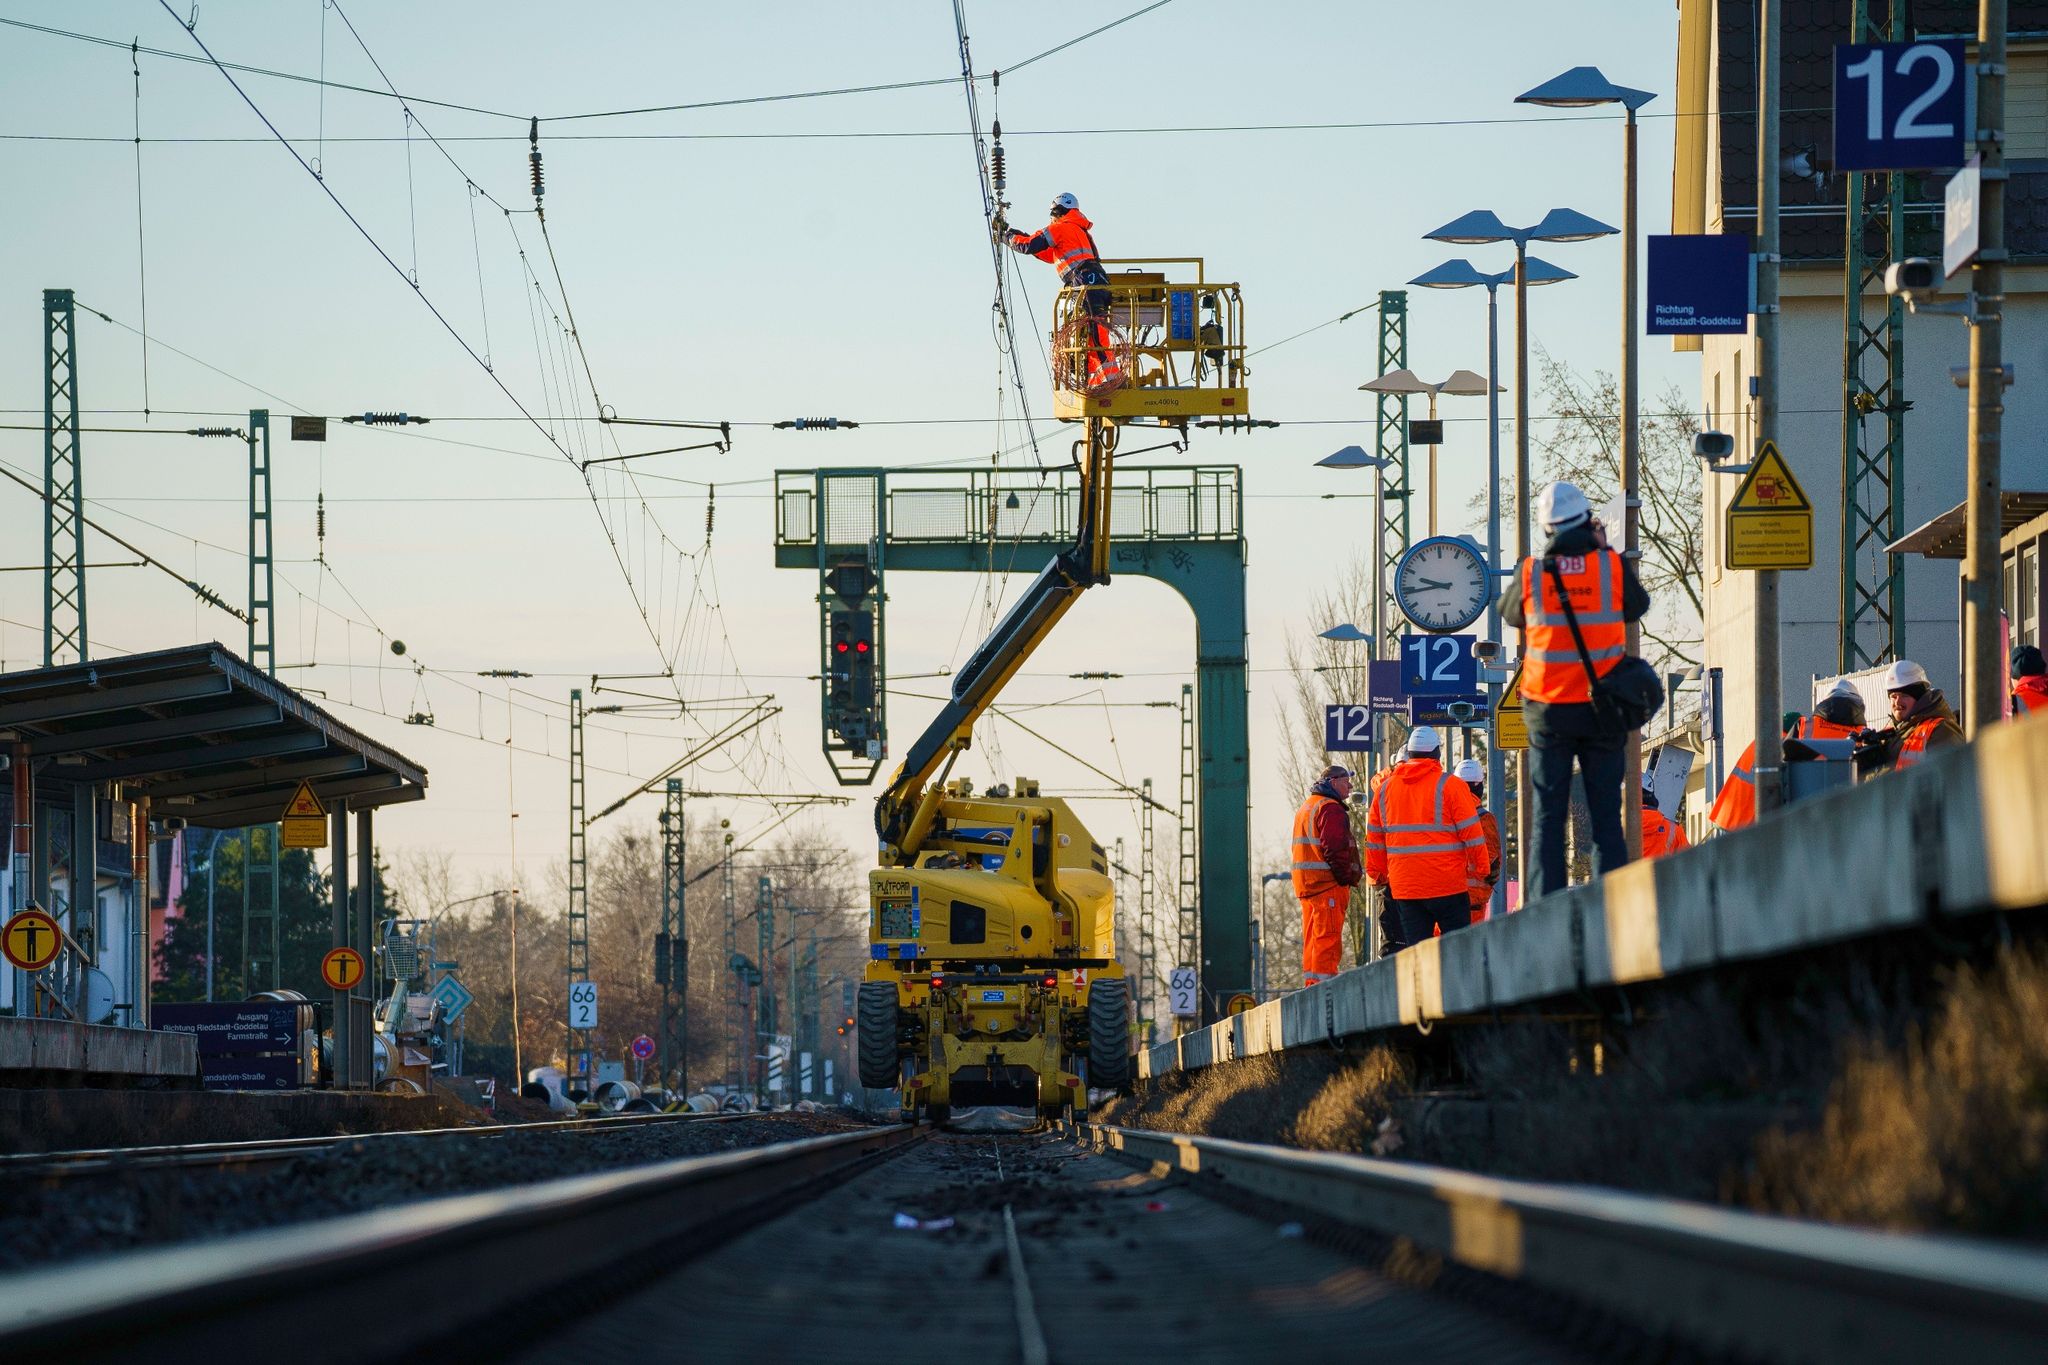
(200, 732)
(1943, 537)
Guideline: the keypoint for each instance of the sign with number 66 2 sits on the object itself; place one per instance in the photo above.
(582, 1004)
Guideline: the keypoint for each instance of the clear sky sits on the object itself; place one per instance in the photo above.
(752, 263)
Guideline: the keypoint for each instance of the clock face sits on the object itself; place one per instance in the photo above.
(1442, 584)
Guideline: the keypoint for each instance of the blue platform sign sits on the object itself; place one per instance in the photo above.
(1699, 284)
(1900, 106)
(1384, 683)
(1347, 729)
(1438, 665)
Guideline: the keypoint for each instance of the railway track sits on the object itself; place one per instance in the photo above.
(94, 1161)
(1090, 1244)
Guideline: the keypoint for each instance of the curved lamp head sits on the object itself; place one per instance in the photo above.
(1454, 274)
(1581, 87)
(1473, 228)
(1346, 633)
(1465, 383)
(1566, 225)
(1398, 381)
(1353, 457)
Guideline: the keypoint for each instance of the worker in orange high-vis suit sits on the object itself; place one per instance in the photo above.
(1479, 890)
(1423, 842)
(1325, 868)
(1579, 568)
(1067, 244)
(2029, 682)
(1838, 715)
(1661, 834)
(1921, 721)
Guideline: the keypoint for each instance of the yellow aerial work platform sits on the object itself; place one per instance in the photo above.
(1178, 338)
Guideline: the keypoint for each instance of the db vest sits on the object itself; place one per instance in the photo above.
(1071, 245)
(1551, 670)
(1312, 876)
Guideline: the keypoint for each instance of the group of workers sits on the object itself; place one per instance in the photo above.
(1432, 849)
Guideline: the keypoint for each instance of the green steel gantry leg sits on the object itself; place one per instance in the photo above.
(260, 932)
(578, 1060)
(672, 946)
(1391, 443)
(64, 639)
(1873, 583)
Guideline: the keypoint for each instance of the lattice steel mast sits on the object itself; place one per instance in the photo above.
(64, 639)
(578, 1059)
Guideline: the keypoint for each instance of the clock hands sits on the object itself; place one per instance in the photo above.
(1432, 583)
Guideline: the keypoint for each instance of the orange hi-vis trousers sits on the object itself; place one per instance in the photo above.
(1322, 934)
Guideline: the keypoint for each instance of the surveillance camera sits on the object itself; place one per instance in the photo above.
(1486, 651)
(1912, 279)
(1461, 711)
(1713, 446)
(171, 824)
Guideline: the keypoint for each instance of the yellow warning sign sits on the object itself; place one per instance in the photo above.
(31, 939)
(1510, 730)
(304, 803)
(1770, 519)
(1239, 1003)
(305, 819)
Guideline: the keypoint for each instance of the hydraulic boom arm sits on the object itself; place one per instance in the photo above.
(906, 807)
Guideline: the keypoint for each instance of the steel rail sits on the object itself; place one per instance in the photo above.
(351, 1288)
(1774, 1288)
(255, 1151)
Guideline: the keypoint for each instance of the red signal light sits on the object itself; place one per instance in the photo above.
(860, 647)
(840, 646)
(938, 982)
(1052, 981)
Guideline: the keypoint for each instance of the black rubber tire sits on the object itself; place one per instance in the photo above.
(1109, 1034)
(875, 1017)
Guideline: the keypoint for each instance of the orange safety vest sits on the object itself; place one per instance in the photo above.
(1661, 835)
(1312, 875)
(1072, 246)
(1736, 805)
(1551, 669)
(1913, 747)
(1425, 834)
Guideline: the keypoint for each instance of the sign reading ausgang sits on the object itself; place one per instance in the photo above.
(1698, 284)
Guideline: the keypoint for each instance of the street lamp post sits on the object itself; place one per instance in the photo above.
(1355, 457)
(1462, 383)
(1460, 274)
(1579, 88)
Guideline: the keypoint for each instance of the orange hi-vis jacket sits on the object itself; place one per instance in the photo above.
(1736, 805)
(1551, 668)
(2030, 694)
(1661, 834)
(1069, 244)
(1479, 889)
(1320, 822)
(1422, 837)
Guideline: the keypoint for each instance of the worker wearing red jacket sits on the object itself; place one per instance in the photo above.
(2029, 682)
(1067, 243)
(1325, 868)
(1838, 715)
(1423, 842)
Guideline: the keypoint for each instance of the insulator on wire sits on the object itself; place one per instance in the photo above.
(533, 158)
(998, 169)
(710, 513)
(815, 424)
(213, 431)
(320, 519)
(386, 419)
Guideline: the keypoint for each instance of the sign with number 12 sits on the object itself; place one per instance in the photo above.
(1900, 106)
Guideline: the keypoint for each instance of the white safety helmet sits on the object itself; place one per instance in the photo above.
(1903, 673)
(1561, 505)
(1844, 688)
(1065, 203)
(1423, 740)
(1469, 770)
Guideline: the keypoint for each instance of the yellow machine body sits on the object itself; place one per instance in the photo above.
(1178, 337)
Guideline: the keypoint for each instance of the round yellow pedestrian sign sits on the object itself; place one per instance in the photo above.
(31, 940)
(341, 968)
(1239, 1003)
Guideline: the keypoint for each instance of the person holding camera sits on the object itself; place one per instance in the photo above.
(1573, 605)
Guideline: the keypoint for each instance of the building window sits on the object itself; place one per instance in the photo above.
(2026, 104)
(2026, 624)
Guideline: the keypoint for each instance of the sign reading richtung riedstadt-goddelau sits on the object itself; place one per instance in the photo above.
(1699, 284)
